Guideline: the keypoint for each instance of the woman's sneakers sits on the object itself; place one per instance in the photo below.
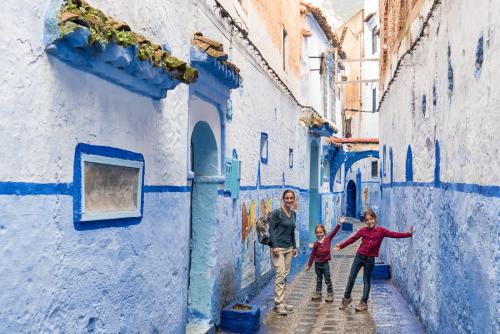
(361, 306)
(283, 309)
(280, 309)
(329, 297)
(316, 296)
(344, 303)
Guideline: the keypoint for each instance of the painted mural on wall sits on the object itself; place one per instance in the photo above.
(330, 210)
(244, 223)
(248, 245)
(255, 257)
(327, 215)
(265, 263)
(364, 198)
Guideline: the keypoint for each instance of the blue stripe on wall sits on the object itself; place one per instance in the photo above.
(166, 189)
(488, 191)
(28, 188)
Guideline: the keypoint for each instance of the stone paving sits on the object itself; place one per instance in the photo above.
(387, 312)
(322, 317)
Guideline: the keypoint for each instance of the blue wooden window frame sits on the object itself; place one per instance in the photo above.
(112, 157)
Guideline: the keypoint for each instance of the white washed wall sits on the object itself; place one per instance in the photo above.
(128, 278)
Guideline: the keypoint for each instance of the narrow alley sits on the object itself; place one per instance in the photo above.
(175, 166)
(388, 312)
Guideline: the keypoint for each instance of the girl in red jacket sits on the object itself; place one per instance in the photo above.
(372, 237)
(321, 253)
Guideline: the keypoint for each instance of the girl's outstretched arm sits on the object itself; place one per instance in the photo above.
(351, 240)
(336, 229)
(392, 234)
(333, 233)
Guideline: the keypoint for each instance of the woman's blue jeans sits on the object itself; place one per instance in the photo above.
(367, 263)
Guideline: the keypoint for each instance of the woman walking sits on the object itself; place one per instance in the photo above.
(283, 248)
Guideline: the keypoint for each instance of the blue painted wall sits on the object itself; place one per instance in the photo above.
(447, 185)
(314, 198)
(71, 272)
(447, 271)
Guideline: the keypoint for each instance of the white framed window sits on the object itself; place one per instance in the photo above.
(111, 188)
(108, 187)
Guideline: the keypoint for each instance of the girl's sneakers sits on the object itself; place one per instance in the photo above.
(344, 303)
(316, 296)
(329, 297)
(361, 306)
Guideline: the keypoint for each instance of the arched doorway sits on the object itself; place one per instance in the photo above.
(314, 205)
(351, 199)
(204, 157)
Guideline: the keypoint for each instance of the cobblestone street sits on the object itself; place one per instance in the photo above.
(387, 310)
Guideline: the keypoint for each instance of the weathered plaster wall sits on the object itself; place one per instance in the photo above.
(117, 277)
(443, 104)
(276, 15)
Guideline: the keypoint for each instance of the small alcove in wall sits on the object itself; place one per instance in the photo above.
(108, 187)
(264, 148)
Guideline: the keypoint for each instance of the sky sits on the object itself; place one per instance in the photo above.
(338, 11)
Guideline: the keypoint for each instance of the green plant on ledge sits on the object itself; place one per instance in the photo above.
(75, 14)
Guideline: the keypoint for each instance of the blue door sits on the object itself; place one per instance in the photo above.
(351, 199)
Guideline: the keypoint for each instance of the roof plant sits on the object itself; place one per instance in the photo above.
(75, 14)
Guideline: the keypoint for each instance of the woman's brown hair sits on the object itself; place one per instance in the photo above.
(286, 192)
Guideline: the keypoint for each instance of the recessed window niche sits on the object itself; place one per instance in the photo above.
(264, 148)
(108, 183)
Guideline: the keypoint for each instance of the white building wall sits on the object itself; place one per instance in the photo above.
(113, 278)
